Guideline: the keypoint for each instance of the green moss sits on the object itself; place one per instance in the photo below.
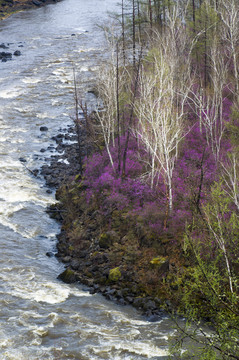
(67, 276)
(158, 261)
(95, 253)
(114, 274)
(104, 241)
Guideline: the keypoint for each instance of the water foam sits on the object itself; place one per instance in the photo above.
(11, 93)
(31, 80)
(132, 348)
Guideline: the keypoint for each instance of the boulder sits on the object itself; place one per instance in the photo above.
(43, 128)
(138, 302)
(17, 53)
(49, 254)
(108, 238)
(68, 276)
(4, 56)
(75, 264)
(149, 305)
(3, 46)
(66, 259)
(114, 274)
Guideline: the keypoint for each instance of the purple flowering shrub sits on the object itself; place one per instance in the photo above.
(101, 178)
(195, 171)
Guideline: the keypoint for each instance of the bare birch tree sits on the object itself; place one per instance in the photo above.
(160, 108)
(231, 178)
(110, 84)
(229, 13)
(209, 102)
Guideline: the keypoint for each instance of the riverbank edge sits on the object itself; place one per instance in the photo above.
(10, 7)
(91, 256)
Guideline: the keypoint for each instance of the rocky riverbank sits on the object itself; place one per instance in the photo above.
(100, 259)
(8, 7)
(108, 261)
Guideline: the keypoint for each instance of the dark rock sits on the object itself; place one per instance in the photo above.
(102, 289)
(119, 294)
(51, 147)
(122, 302)
(149, 305)
(106, 272)
(68, 276)
(3, 46)
(88, 263)
(59, 136)
(111, 292)
(102, 280)
(42, 237)
(88, 282)
(108, 238)
(75, 264)
(109, 297)
(95, 268)
(42, 150)
(138, 302)
(43, 128)
(96, 287)
(22, 159)
(49, 254)
(66, 259)
(154, 317)
(36, 2)
(129, 299)
(17, 53)
(5, 55)
(101, 259)
(83, 254)
(45, 170)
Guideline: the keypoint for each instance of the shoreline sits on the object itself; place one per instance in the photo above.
(90, 263)
(10, 7)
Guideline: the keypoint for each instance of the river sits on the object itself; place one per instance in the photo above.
(41, 317)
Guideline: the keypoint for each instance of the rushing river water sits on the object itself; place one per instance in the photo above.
(41, 317)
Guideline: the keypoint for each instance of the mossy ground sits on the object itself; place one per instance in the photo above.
(116, 252)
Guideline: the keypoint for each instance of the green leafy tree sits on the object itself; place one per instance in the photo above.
(210, 290)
